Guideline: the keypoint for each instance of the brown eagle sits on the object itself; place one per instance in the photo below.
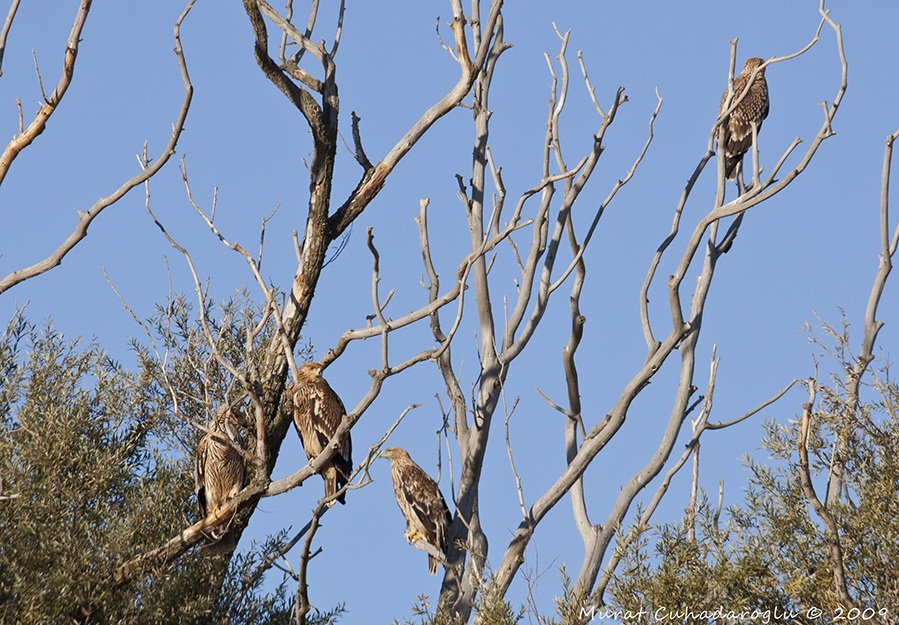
(220, 472)
(420, 501)
(753, 109)
(317, 413)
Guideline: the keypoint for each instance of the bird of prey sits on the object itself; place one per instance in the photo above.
(220, 472)
(420, 501)
(317, 413)
(753, 109)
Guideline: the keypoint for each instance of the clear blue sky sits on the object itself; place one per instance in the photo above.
(811, 249)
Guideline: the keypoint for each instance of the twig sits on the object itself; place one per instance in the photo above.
(720, 503)
(303, 606)
(339, 31)
(40, 81)
(359, 153)
(376, 300)
(289, 16)
(451, 52)
(515, 474)
(4, 33)
(757, 409)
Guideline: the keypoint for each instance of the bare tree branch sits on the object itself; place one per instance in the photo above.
(36, 127)
(683, 337)
(374, 178)
(148, 169)
(302, 604)
(4, 33)
(872, 325)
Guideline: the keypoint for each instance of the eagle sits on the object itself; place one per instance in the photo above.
(420, 501)
(317, 413)
(753, 109)
(220, 472)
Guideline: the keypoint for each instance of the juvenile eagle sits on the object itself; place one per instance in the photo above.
(420, 501)
(220, 472)
(317, 413)
(753, 109)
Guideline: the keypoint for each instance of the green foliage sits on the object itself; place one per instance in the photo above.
(490, 608)
(91, 476)
(569, 605)
(721, 567)
(181, 365)
(423, 613)
(772, 551)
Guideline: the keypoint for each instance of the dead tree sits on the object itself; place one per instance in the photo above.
(540, 276)
(538, 234)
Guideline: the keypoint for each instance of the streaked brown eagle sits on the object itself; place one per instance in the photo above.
(317, 413)
(420, 501)
(753, 109)
(220, 472)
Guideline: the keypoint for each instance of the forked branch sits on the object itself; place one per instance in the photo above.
(148, 168)
(36, 127)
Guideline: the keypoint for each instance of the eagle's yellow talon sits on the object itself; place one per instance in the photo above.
(412, 536)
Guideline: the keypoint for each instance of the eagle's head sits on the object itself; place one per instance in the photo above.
(394, 453)
(227, 421)
(752, 63)
(309, 371)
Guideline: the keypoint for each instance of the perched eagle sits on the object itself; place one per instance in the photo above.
(420, 501)
(317, 413)
(753, 109)
(220, 472)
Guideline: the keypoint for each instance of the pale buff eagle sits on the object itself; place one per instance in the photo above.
(420, 501)
(317, 412)
(220, 472)
(753, 109)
